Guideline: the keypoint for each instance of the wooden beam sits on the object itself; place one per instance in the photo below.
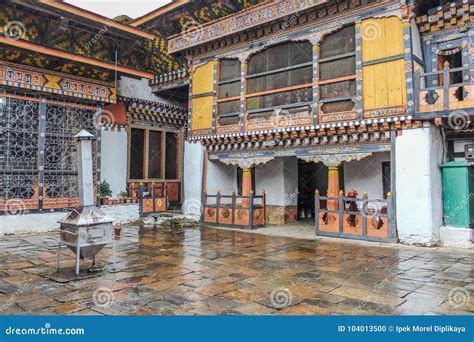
(74, 57)
(159, 11)
(64, 6)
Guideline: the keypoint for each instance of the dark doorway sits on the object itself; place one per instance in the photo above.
(240, 173)
(386, 178)
(453, 60)
(312, 176)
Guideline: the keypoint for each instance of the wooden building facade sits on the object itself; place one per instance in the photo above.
(332, 83)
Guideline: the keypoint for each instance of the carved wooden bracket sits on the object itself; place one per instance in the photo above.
(247, 163)
(334, 160)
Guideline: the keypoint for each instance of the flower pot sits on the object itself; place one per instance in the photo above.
(104, 201)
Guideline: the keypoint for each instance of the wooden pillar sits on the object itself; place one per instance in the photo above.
(246, 185)
(333, 187)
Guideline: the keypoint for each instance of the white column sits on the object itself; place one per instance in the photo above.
(192, 178)
(419, 155)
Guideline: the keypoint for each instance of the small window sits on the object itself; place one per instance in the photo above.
(171, 166)
(280, 75)
(453, 60)
(154, 155)
(137, 149)
(159, 161)
(228, 89)
(337, 71)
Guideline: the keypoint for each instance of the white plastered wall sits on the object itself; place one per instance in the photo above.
(279, 179)
(113, 163)
(138, 89)
(418, 181)
(365, 175)
(221, 177)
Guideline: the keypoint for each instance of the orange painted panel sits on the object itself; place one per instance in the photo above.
(332, 224)
(376, 229)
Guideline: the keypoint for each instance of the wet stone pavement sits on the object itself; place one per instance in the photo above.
(207, 271)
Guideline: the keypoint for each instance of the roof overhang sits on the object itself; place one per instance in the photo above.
(159, 11)
(66, 7)
(21, 44)
(238, 22)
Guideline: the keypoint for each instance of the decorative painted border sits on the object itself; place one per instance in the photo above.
(11, 75)
(244, 20)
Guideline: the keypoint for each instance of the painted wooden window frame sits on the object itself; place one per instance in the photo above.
(227, 99)
(248, 76)
(353, 77)
(163, 160)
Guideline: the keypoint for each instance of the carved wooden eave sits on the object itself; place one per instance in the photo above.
(345, 132)
(444, 18)
(247, 163)
(324, 15)
(241, 21)
(158, 112)
(334, 160)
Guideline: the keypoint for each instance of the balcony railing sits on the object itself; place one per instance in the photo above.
(233, 210)
(170, 79)
(153, 199)
(437, 92)
(373, 219)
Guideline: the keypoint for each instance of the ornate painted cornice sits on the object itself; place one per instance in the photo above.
(445, 17)
(319, 134)
(25, 77)
(334, 160)
(241, 21)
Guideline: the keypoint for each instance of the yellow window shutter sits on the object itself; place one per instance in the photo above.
(202, 101)
(383, 74)
(201, 113)
(203, 79)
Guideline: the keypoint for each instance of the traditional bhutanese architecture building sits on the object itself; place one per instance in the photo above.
(336, 112)
(64, 69)
(149, 139)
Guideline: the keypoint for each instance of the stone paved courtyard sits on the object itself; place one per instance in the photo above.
(207, 271)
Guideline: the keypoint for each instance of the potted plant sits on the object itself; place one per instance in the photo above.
(105, 193)
(124, 196)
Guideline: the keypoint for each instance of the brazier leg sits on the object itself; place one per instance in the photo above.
(59, 255)
(78, 256)
(114, 255)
